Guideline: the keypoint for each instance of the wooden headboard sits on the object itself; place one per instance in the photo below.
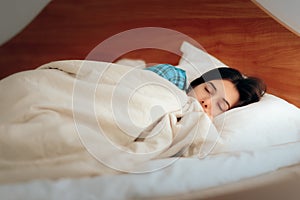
(235, 31)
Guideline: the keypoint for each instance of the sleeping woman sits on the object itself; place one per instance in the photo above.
(217, 90)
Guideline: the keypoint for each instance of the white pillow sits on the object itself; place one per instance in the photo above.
(271, 121)
(196, 61)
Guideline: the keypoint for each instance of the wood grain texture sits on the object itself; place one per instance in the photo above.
(235, 31)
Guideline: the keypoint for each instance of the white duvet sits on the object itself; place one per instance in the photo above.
(83, 118)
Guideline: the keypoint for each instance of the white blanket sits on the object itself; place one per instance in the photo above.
(84, 118)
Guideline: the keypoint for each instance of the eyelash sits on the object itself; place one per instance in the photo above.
(207, 90)
(220, 107)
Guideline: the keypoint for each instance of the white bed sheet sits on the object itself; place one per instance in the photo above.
(183, 176)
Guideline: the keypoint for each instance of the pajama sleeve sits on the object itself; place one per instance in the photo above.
(173, 74)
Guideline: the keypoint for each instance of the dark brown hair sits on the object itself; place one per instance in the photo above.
(250, 89)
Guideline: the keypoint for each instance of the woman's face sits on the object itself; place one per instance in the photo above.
(216, 96)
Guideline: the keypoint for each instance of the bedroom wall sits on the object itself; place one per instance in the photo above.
(16, 14)
(285, 12)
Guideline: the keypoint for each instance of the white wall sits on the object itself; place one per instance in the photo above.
(16, 14)
(285, 12)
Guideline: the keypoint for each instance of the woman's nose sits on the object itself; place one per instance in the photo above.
(206, 104)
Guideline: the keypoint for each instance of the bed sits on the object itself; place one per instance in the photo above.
(250, 152)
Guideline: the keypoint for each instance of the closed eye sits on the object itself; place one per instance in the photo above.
(207, 90)
(223, 105)
(210, 88)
